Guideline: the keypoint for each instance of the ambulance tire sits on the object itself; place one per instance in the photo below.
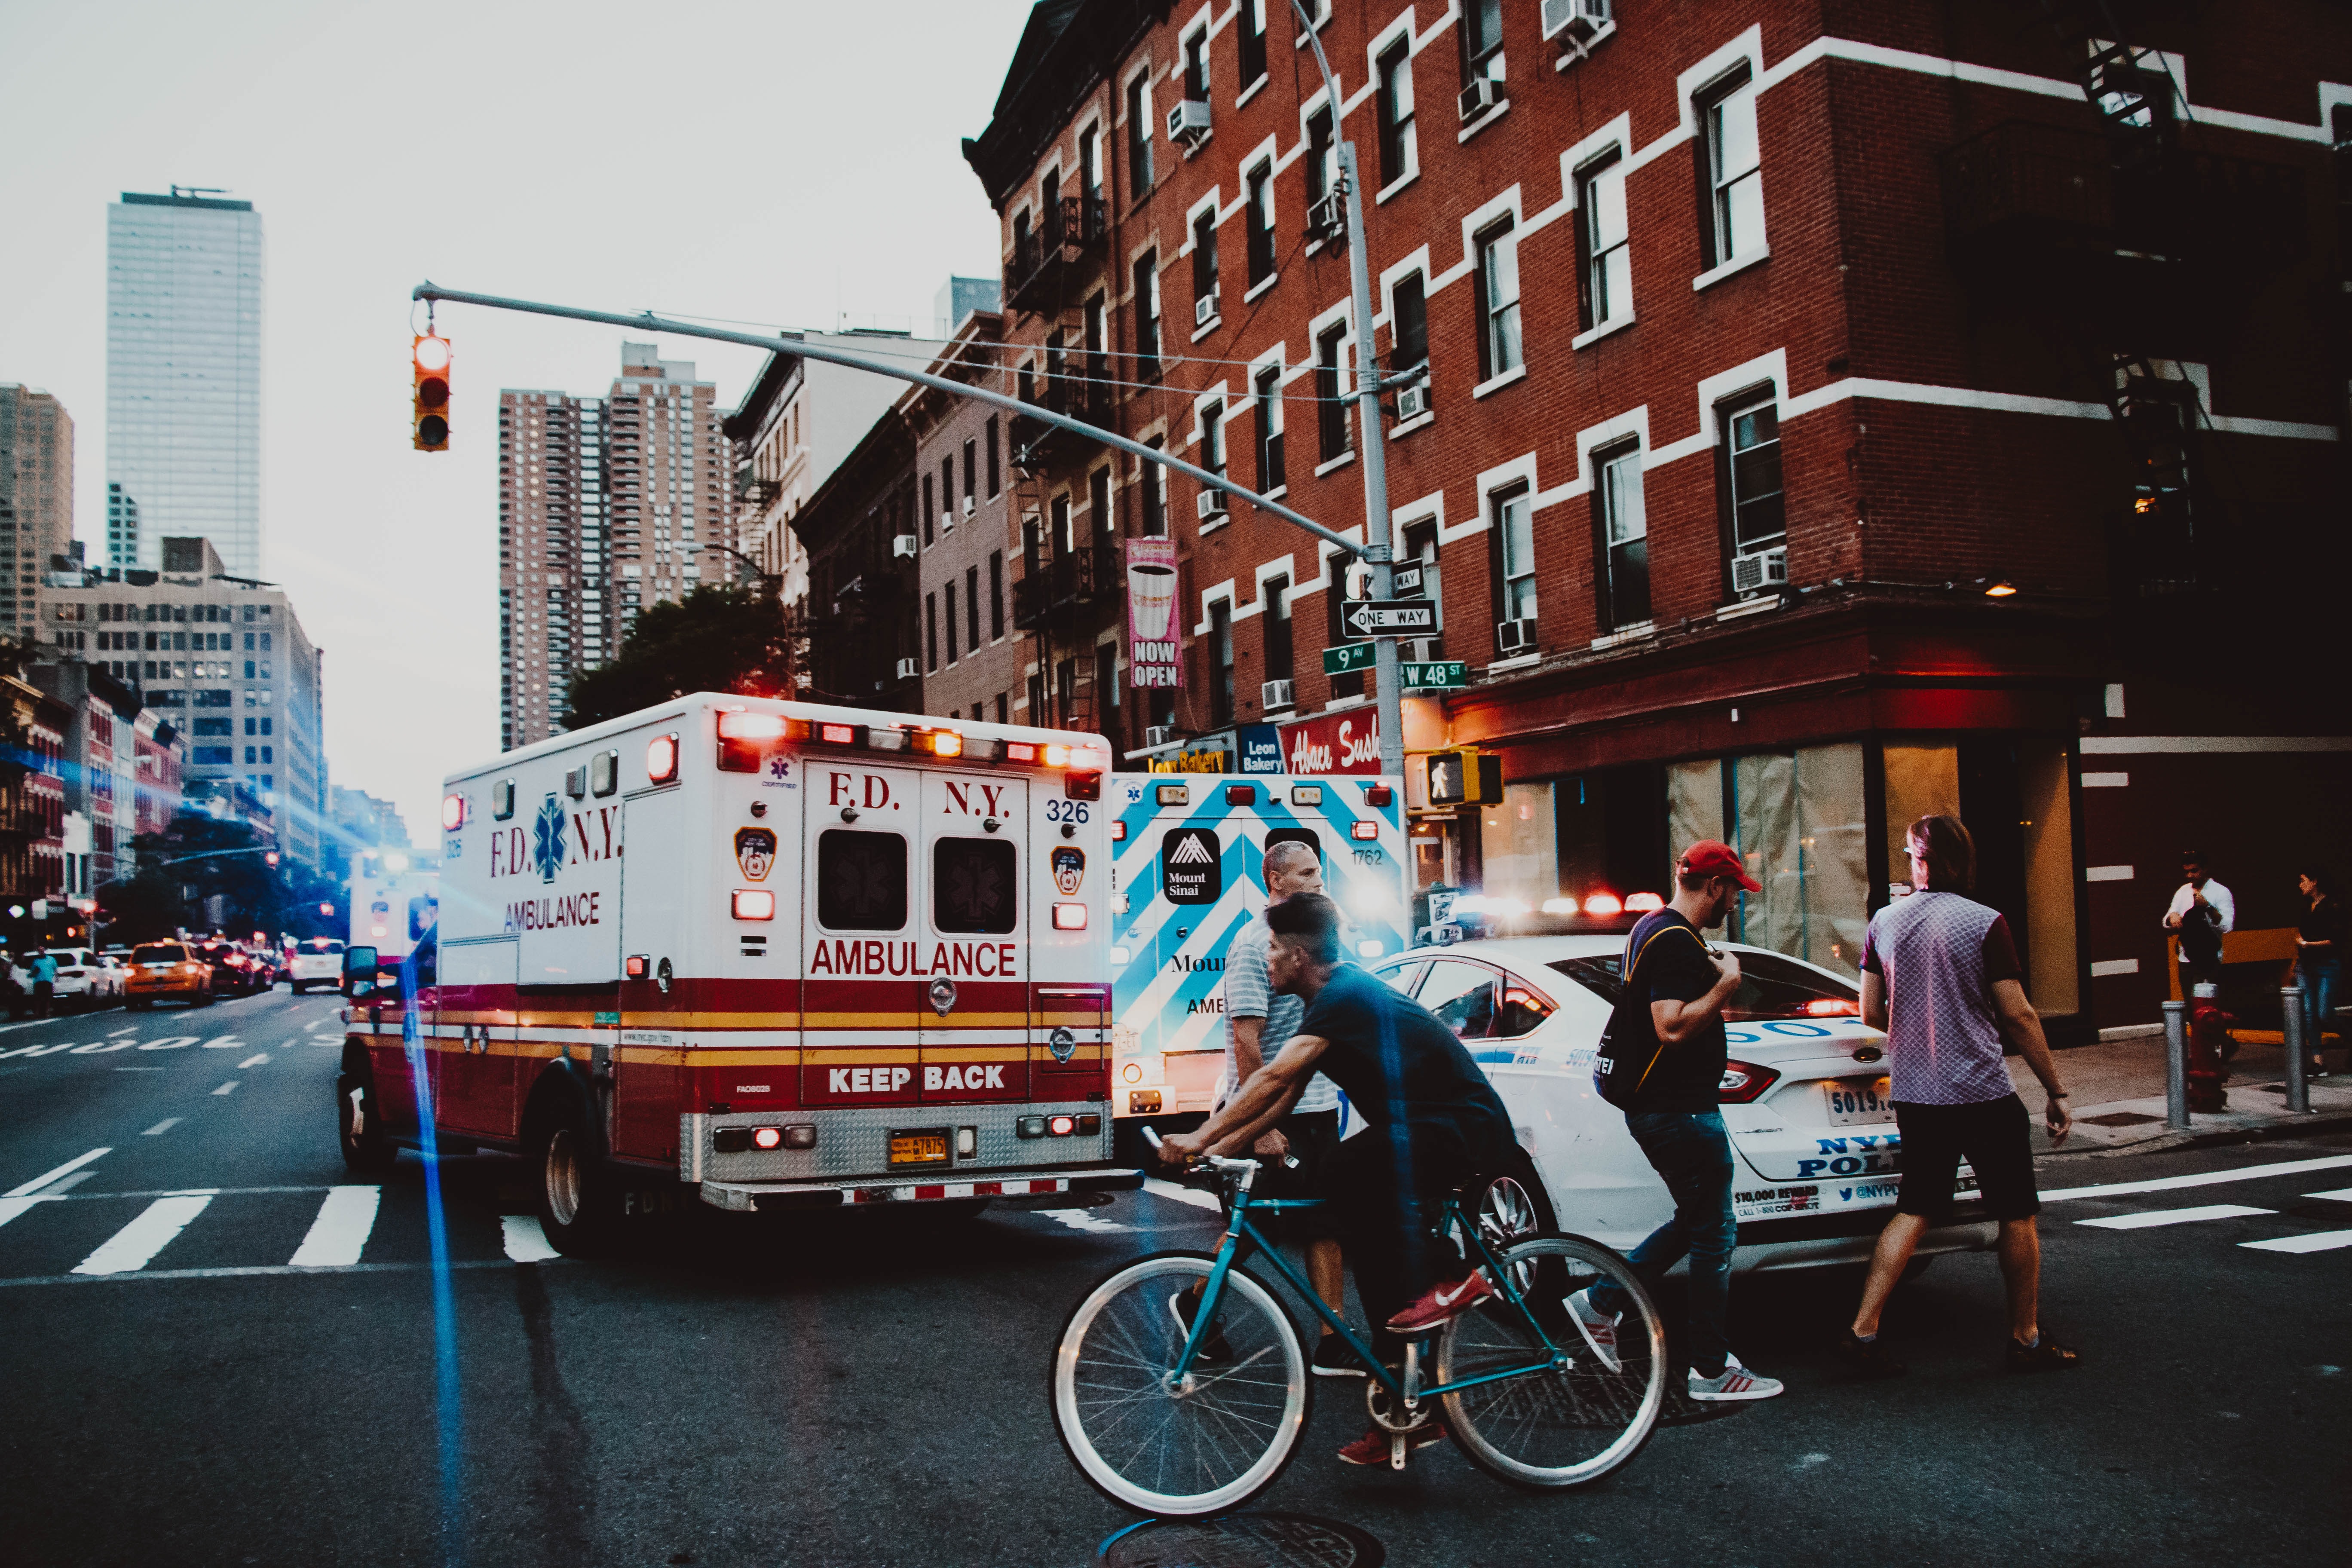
(370, 1151)
(573, 1194)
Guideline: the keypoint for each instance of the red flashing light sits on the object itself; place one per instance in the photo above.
(742, 726)
(1020, 751)
(635, 966)
(1062, 1126)
(1380, 794)
(453, 816)
(1364, 829)
(837, 735)
(754, 904)
(1604, 906)
(1082, 786)
(661, 759)
(1644, 903)
(1832, 1008)
(767, 1137)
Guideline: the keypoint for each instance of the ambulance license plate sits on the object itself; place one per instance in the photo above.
(926, 1147)
(1857, 1100)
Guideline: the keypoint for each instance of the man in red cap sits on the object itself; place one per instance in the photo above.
(1676, 986)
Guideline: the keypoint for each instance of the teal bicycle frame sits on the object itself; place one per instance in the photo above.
(1240, 1228)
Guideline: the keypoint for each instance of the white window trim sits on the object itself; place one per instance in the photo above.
(1495, 383)
(1333, 464)
(1591, 335)
(1209, 596)
(1206, 203)
(1250, 295)
(1426, 417)
(1519, 661)
(1264, 573)
(1738, 264)
(1502, 107)
(1638, 632)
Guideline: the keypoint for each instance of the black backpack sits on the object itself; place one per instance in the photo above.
(1630, 1047)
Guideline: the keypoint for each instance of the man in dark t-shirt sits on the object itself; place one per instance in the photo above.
(1431, 1122)
(1676, 986)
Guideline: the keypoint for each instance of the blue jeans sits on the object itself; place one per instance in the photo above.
(1691, 1151)
(2320, 978)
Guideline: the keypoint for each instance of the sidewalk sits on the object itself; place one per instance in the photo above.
(2118, 1091)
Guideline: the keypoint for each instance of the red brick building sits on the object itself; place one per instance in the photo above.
(1832, 412)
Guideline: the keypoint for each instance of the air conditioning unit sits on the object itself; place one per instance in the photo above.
(1413, 402)
(1212, 504)
(1276, 695)
(1755, 573)
(905, 544)
(1580, 19)
(1517, 637)
(1204, 310)
(1188, 121)
(1327, 218)
(947, 520)
(1159, 734)
(1483, 93)
(906, 669)
(969, 506)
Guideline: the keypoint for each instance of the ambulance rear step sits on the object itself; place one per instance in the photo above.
(774, 1197)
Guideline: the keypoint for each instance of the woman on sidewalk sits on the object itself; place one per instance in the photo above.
(2319, 961)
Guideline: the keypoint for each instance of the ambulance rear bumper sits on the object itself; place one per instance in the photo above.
(770, 1197)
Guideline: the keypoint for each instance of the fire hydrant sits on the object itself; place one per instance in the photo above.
(2208, 1038)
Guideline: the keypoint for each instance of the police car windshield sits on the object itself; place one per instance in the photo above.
(1770, 986)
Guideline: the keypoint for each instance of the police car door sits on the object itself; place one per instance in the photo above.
(975, 947)
(861, 989)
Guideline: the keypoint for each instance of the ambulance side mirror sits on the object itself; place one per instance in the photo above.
(359, 970)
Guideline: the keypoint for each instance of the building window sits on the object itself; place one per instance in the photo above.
(1267, 394)
(971, 467)
(1395, 99)
(947, 493)
(1100, 519)
(1498, 301)
(1221, 664)
(1138, 136)
(1330, 396)
(971, 607)
(1196, 66)
(1107, 692)
(1004, 707)
(1512, 515)
(1759, 520)
(1601, 236)
(1061, 514)
(1204, 262)
(995, 473)
(1278, 657)
(931, 632)
(1322, 157)
(930, 516)
(1409, 322)
(1624, 539)
(1253, 40)
(1735, 185)
(1213, 437)
(1482, 39)
(1147, 316)
(1090, 173)
(1258, 219)
(1154, 479)
(996, 594)
(949, 591)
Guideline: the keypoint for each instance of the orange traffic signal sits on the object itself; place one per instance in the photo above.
(431, 409)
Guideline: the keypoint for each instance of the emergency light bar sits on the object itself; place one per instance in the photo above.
(744, 736)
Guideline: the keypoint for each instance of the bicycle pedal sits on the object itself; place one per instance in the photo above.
(1396, 1451)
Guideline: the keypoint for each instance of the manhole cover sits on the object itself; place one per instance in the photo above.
(1243, 1541)
(2122, 1119)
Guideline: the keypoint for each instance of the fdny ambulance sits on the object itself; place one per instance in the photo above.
(1189, 863)
(792, 956)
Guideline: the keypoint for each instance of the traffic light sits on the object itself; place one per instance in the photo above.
(1465, 777)
(432, 409)
(270, 856)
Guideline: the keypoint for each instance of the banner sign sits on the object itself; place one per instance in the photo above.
(1153, 658)
(1348, 741)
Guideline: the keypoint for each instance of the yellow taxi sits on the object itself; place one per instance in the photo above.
(168, 972)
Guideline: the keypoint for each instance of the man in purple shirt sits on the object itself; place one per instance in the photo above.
(1940, 976)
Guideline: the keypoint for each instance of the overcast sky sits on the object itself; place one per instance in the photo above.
(780, 162)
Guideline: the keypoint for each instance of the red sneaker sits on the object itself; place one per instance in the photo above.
(1374, 1448)
(1441, 1303)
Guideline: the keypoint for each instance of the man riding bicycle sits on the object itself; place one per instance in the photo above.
(1431, 1123)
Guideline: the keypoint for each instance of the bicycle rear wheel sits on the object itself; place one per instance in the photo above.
(1211, 1441)
(1574, 1421)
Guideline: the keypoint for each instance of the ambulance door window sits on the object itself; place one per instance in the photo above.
(1462, 997)
(974, 885)
(861, 880)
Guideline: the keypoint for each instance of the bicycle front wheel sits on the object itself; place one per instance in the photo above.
(1209, 1441)
(1577, 1417)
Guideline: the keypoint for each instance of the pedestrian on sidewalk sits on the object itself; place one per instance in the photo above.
(1668, 1029)
(44, 971)
(1940, 976)
(2202, 912)
(2319, 959)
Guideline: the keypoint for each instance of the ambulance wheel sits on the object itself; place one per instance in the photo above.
(359, 1128)
(574, 1192)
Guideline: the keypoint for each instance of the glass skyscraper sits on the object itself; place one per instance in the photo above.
(184, 377)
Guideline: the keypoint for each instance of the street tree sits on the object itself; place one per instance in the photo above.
(734, 640)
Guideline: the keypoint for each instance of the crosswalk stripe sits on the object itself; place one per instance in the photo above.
(136, 1244)
(2172, 1217)
(253, 1272)
(340, 1231)
(2202, 1179)
(1157, 1187)
(526, 1242)
(228, 1088)
(163, 1126)
(2341, 1195)
(253, 1061)
(2313, 1241)
(11, 1207)
(38, 1183)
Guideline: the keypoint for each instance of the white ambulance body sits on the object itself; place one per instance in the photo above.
(792, 956)
(392, 909)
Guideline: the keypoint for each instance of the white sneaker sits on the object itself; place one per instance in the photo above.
(1599, 1330)
(1735, 1382)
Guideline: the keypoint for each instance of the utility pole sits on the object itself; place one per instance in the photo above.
(1388, 702)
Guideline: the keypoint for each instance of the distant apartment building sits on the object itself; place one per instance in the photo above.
(121, 768)
(606, 506)
(32, 806)
(224, 660)
(36, 454)
(365, 820)
(183, 277)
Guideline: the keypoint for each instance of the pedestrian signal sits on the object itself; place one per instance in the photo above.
(1465, 777)
(431, 417)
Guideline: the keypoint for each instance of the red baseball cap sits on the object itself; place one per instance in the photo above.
(1713, 857)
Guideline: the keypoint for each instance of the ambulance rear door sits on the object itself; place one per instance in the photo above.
(974, 1023)
(863, 879)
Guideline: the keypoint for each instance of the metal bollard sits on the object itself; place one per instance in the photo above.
(2298, 1084)
(2176, 1064)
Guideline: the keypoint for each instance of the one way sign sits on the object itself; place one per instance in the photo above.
(1389, 618)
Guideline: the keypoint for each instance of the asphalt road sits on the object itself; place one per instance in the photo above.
(176, 1389)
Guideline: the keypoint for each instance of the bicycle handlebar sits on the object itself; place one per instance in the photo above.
(1217, 1163)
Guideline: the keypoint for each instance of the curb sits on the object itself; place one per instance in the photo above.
(2304, 1126)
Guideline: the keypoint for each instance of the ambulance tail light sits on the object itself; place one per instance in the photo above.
(839, 734)
(1745, 1082)
(661, 759)
(1241, 795)
(1365, 829)
(754, 904)
(800, 1137)
(1066, 917)
(767, 1137)
(1644, 903)
(637, 965)
(1380, 794)
(1604, 906)
(1119, 832)
(1061, 1126)
(1082, 785)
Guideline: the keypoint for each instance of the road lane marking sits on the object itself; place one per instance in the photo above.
(1166, 1189)
(38, 1183)
(38, 1050)
(341, 1229)
(2315, 1241)
(2172, 1217)
(100, 1048)
(11, 1207)
(63, 1184)
(1081, 1219)
(169, 1043)
(228, 1088)
(251, 1270)
(2341, 1195)
(117, 1034)
(224, 1043)
(526, 1242)
(2202, 1179)
(253, 1061)
(136, 1244)
(163, 1126)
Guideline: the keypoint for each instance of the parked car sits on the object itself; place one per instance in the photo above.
(1804, 1100)
(85, 978)
(318, 961)
(168, 972)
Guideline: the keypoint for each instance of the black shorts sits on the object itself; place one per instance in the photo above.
(1315, 1142)
(1995, 1136)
